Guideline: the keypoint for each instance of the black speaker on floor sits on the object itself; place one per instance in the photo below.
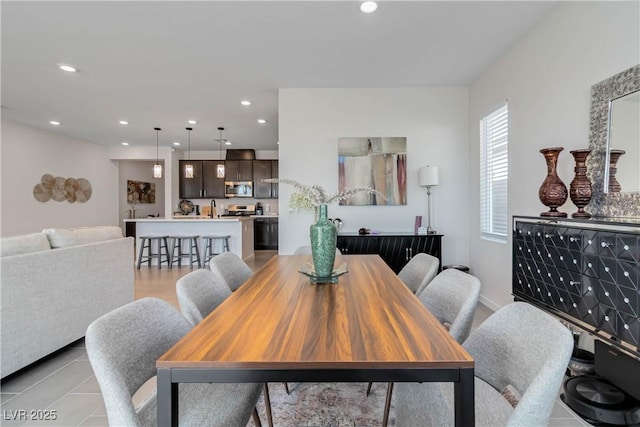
(611, 396)
(619, 368)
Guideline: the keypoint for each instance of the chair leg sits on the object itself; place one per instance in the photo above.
(387, 405)
(267, 405)
(286, 388)
(256, 418)
(369, 389)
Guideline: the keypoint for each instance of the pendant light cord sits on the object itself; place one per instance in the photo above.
(189, 133)
(220, 129)
(157, 152)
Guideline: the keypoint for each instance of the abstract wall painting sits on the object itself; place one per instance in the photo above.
(140, 192)
(377, 162)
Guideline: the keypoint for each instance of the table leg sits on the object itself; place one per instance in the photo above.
(167, 399)
(464, 399)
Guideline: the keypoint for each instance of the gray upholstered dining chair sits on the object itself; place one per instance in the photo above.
(199, 293)
(231, 268)
(306, 250)
(419, 271)
(123, 347)
(518, 350)
(452, 297)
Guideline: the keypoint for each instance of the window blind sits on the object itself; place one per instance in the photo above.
(494, 141)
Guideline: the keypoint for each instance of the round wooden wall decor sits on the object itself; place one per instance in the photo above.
(61, 189)
(83, 193)
(41, 193)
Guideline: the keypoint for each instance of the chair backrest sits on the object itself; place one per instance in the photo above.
(306, 250)
(419, 271)
(452, 297)
(231, 268)
(199, 293)
(123, 346)
(522, 346)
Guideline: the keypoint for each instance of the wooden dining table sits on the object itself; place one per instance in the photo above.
(280, 327)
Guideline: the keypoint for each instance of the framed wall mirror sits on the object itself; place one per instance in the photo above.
(614, 138)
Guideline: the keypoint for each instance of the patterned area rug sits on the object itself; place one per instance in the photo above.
(326, 405)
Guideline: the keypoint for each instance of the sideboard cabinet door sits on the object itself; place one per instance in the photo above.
(395, 249)
(583, 271)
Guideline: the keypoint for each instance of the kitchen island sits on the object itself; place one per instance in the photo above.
(239, 228)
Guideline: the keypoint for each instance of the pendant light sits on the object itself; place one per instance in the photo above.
(220, 167)
(157, 167)
(188, 167)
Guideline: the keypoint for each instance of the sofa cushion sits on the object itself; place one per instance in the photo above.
(24, 244)
(62, 238)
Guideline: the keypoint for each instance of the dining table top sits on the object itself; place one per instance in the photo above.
(278, 319)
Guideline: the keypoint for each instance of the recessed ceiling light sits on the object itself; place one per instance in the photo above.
(67, 68)
(368, 6)
(124, 122)
(54, 122)
(245, 103)
(176, 143)
(125, 143)
(262, 121)
(278, 142)
(227, 142)
(192, 122)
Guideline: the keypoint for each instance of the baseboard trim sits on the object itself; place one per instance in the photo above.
(489, 303)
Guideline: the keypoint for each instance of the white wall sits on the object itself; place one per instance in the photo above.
(547, 78)
(168, 158)
(138, 170)
(435, 123)
(27, 153)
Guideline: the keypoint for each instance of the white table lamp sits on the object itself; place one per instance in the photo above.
(428, 177)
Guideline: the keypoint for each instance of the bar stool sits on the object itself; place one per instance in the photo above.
(209, 243)
(192, 255)
(148, 242)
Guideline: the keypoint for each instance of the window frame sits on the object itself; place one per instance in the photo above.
(494, 175)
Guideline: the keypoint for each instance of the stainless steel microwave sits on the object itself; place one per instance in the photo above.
(238, 189)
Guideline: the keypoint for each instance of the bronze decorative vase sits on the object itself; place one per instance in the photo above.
(553, 192)
(580, 187)
(614, 185)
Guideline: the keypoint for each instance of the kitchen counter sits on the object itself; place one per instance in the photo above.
(240, 230)
(189, 218)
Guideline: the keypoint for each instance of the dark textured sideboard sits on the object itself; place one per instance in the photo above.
(585, 272)
(396, 249)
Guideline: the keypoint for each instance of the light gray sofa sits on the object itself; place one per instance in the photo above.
(54, 284)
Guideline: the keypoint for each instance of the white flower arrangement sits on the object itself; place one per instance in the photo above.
(312, 196)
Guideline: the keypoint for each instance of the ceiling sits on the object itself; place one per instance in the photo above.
(159, 64)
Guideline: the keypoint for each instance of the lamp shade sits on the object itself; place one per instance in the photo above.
(428, 176)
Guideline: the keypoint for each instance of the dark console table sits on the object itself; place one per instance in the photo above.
(585, 272)
(396, 249)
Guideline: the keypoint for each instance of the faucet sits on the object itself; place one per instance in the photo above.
(212, 205)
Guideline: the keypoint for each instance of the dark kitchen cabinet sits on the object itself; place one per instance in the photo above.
(265, 233)
(261, 170)
(238, 170)
(395, 249)
(265, 169)
(274, 174)
(204, 183)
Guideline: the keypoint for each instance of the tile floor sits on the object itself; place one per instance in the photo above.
(63, 384)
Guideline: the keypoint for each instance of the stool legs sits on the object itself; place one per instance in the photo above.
(208, 248)
(146, 242)
(194, 251)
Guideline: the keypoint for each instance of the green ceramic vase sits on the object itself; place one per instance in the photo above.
(323, 243)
